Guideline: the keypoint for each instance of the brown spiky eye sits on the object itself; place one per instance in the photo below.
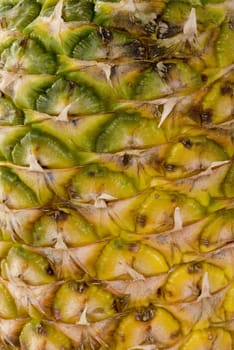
(137, 49)
(145, 314)
(169, 167)
(126, 159)
(40, 329)
(187, 143)
(121, 303)
(194, 268)
(166, 30)
(206, 116)
(106, 34)
(49, 271)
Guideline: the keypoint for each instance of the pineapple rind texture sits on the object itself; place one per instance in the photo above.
(116, 175)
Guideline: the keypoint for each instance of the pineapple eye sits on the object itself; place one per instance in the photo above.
(125, 160)
(206, 116)
(106, 34)
(231, 23)
(23, 43)
(204, 78)
(166, 30)
(72, 85)
(138, 49)
(159, 292)
(49, 271)
(151, 26)
(121, 303)
(187, 143)
(226, 90)
(145, 314)
(165, 68)
(3, 22)
(169, 167)
(40, 329)
(194, 268)
(195, 113)
(156, 51)
(79, 287)
(141, 220)
(59, 215)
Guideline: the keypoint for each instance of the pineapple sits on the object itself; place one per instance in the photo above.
(116, 175)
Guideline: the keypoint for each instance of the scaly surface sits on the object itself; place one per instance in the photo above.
(116, 175)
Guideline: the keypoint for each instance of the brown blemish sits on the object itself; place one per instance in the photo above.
(204, 78)
(57, 314)
(141, 220)
(40, 329)
(175, 334)
(194, 268)
(133, 247)
(226, 90)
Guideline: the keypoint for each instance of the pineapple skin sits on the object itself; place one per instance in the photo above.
(116, 175)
